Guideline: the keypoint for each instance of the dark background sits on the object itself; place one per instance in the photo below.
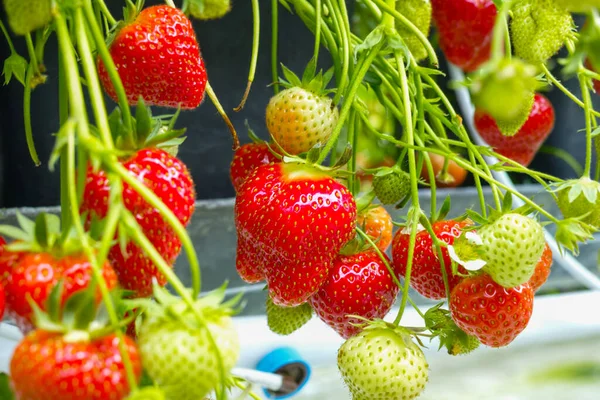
(226, 47)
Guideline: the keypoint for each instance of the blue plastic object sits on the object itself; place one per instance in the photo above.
(286, 361)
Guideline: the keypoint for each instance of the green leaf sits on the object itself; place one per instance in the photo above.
(309, 71)
(15, 65)
(476, 217)
(372, 39)
(47, 226)
(444, 210)
(26, 224)
(5, 390)
(313, 154)
(54, 300)
(596, 132)
(80, 308)
(328, 76)
(290, 76)
(143, 120)
(345, 157)
(14, 233)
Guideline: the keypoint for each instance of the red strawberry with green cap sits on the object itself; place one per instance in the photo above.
(302, 115)
(73, 354)
(494, 314)
(298, 218)
(246, 159)
(506, 91)
(525, 143)
(465, 28)
(426, 275)
(539, 29)
(158, 58)
(358, 284)
(383, 362)
(170, 180)
(41, 258)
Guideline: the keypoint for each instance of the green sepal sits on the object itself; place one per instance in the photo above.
(15, 65)
(80, 308)
(372, 40)
(143, 120)
(507, 202)
(291, 78)
(571, 232)
(344, 157)
(5, 388)
(42, 320)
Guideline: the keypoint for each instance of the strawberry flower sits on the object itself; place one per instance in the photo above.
(464, 252)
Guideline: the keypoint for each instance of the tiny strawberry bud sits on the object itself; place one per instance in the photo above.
(209, 9)
(391, 185)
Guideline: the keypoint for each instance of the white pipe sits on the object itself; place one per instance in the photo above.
(567, 261)
(266, 380)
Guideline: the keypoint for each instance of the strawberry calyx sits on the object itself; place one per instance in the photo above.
(80, 319)
(42, 236)
(148, 131)
(439, 322)
(311, 81)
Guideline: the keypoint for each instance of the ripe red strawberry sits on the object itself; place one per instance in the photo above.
(542, 270)
(494, 314)
(48, 366)
(465, 28)
(36, 274)
(248, 262)
(157, 57)
(358, 284)
(246, 159)
(377, 224)
(426, 273)
(525, 143)
(170, 180)
(298, 218)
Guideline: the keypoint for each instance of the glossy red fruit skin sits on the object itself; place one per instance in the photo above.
(45, 367)
(2, 302)
(358, 284)
(465, 28)
(426, 273)
(36, 274)
(158, 57)
(494, 314)
(542, 270)
(171, 181)
(297, 219)
(523, 146)
(246, 159)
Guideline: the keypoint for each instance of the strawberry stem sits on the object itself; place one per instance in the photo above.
(106, 12)
(254, 57)
(11, 46)
(274, 37)
(554, 81)
(500, 32)
(318, 9)
(587, 101)
(340, 13)
(215, 100)
(27, 115)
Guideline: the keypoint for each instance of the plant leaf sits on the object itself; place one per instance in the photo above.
(15, 65)
(5, 390)
(143, 120)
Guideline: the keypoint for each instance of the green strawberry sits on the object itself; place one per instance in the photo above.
(539, 29)
(391, 185)
(175, 347)
(25, 16)
(209, 9)
(506, 91)
(579, 5)
(511, 246)
(577, 197)
(383, 363)
(286, 320)
(419, 13)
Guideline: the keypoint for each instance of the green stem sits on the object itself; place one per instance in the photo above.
(274, 37)
(318, 9)
(93, 83)
(500, 31)
(342, 15)
(106, 12)
(353, 139)
(563, 89)
(215, 100)
(33, 61)
(254, 57)
(63, 112)
(170, 3)
(105, 57)
(87, 248)
(8, 39)
(349, 99)
(27, 116)
(587, 101)
(409, 133)
(170, 218)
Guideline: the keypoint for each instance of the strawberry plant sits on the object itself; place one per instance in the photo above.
(376, 127)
